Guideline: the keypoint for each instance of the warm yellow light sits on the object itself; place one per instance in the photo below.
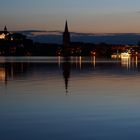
(93, 60)
(93, 53)
(115, 56)
(126, 62)
(136, 61)
(59, 61)
(80, 62)
(125, 55)
(2, 36)
(2, 74)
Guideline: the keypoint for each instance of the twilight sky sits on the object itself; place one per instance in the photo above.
(89, 16)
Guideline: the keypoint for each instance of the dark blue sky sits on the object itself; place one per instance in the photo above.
(94, 16)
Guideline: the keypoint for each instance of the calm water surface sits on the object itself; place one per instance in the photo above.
(73, 99)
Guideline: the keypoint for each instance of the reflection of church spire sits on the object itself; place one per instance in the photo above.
(66, 72)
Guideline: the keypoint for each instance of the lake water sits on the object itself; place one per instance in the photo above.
(69, 99)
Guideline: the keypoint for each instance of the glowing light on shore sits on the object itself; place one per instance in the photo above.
(125, 55)
(2, 36)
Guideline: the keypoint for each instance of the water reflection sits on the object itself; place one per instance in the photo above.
(66, 68)
(12, 70)
(129, 62)
(104, 103)
(93, 59)
(2, 74)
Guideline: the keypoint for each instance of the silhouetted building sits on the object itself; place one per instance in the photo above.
(66, 41)
(18, 38)
(66, 36)
(4, 34)
(5, 29)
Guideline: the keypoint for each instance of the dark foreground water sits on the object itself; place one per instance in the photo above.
(73, 99)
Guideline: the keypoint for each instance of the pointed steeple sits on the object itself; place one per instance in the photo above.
(66, 27)
(5, 29)
(66, 35)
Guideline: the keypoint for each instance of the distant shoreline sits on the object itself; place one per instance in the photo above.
(109, 38)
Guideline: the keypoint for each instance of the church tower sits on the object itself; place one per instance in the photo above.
(5, 29)
(66, 36)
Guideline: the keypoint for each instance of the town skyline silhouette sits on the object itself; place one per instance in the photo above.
(17, 44)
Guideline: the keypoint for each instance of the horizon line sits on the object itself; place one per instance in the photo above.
(61, 31)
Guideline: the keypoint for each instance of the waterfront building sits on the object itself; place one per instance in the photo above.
(4, 34)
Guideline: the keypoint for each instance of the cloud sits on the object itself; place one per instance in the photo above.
(138, 12)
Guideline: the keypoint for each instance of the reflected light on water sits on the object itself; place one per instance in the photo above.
(2, 74)
(126, 62)
(103, 103)
(136, 61)
(93, 61)
(59, 61)
(80, 62)
(129, 62)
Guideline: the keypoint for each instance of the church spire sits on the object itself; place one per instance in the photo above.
(66, 35)
(5, 29)
(66, 27)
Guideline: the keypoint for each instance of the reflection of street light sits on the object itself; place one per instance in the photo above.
(93, 59)
(80, 62)
(125, 61)
(2, 74)
(136, 61)
(59, 61)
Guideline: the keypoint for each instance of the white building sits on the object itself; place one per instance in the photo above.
(4, 34)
